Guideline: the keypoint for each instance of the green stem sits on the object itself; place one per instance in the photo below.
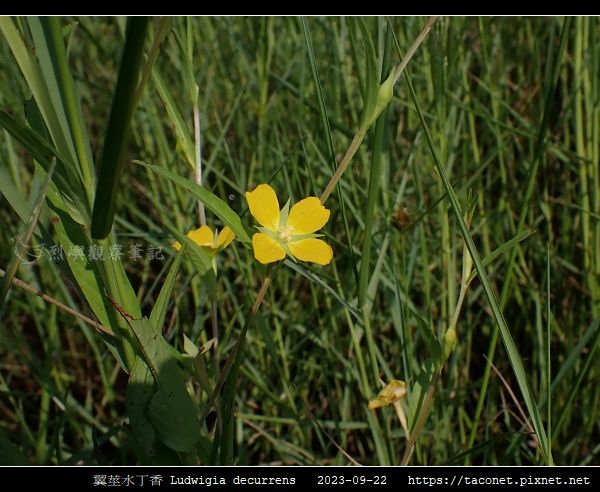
(52, 300)
(215, 348)
(354, 145)
(421, 419)
(238, 347)
(231, 377)
(198, 148)
(361, 132)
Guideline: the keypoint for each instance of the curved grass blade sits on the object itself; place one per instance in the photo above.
(511, 348)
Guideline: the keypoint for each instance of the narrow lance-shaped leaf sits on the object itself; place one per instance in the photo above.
(159, 311)
(212, 202)
(15, 261)
(201, 261)
(38, 84)
(117, 131)
(43, 152)
(67, 99)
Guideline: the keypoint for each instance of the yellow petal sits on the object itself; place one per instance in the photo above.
(176, 245)
(377, 403)
(202, 236)
(225, 237)
(308, 216)
(311, 249)
(264, 206)
(266, 249)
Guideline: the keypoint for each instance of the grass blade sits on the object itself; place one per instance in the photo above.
(511, 348)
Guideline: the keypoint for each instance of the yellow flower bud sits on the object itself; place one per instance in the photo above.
(393, 391)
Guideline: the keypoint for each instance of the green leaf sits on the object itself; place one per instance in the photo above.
(211, 201)
(507, 246)
(9, 454)
(195, 364)
(15, 261)
(137, 400)
(173, 415)
(62, 194)
(171, 411)
(182, 133)
(201, 261)
(13, 196)
(118, 128)
(159, 311)
(66, 125)
(70, 236)
(372, 76)
(72, 241)
(416, 395)
(434, 348)
(43, 152)
(37, 81)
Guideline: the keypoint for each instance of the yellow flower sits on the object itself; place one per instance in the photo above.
(210, 242)
(288, 231)
(393, 391)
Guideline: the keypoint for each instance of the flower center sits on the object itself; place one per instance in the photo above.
(285, 232)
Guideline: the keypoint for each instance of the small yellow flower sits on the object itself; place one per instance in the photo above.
(393, 391)
(288, 231)
(210, 242)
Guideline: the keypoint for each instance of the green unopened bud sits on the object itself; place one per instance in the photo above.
(467, 265)
(449, 342)
(385, 94)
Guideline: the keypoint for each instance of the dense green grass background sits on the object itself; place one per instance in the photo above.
(514, 119)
